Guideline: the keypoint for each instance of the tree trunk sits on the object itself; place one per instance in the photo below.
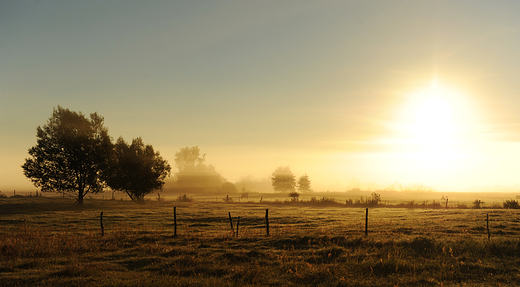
(81, 194)
(80, 200)
(81, 191)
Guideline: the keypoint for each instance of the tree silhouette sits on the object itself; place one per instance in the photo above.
(193, 174)
(189, 158)
(283, 179)
(228, 188)
(304, 183)
(137, 169)
(71, 154)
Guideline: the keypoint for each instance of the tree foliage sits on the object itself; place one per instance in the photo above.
(252, 184)
(137, 169)
(189, 158)
(71, 154)
(228, 188)
(304, 183)
(195, 176)
(283, 179)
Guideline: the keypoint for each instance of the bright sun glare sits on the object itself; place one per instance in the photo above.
(431, 124)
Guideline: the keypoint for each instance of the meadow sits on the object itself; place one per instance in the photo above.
(48, 241)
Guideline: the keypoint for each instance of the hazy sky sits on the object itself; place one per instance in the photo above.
(375, 92)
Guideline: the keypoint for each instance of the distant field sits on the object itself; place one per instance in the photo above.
(49, 242)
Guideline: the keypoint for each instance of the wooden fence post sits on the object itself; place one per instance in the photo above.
(231, 223)
(267, 221)
(366, 223)
(174, 221)
(487, 224)
(238, 224)
(101, 221)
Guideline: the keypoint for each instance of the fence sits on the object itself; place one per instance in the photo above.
(262, 220)
(480, 225)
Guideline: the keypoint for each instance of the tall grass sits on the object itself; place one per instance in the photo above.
(310, 260)
(308, 246)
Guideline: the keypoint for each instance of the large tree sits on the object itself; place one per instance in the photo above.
(71, 154)
(283, 179)
(137, 169)
(304, 183)
(194, 175)
(189, 158)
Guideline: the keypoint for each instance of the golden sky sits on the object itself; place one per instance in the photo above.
(349, 92)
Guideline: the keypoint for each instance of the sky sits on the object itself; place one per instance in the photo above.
(351, 93)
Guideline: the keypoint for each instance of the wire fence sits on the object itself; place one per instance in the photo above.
(246, 220)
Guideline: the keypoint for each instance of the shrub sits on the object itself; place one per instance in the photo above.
(325, 201)
(510, 203)
(374, 199)
(227, 199)
(478, 203)
(184, 198)
(294, 196)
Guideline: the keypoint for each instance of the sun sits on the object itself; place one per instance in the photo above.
(432, 137)
(431, 125)
(431, 118)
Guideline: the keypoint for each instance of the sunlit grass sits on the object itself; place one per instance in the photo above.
(51, 243)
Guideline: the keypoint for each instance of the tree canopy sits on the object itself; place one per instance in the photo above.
(137, 169)
(283, 179)
(189, 158)
(71, 154)
(193, 174)
(304, 183)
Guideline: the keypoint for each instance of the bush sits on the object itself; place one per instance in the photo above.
(184, 198)
(227, 199)
(510, 203)
(375, 198)
(478, 203)
(294, 196)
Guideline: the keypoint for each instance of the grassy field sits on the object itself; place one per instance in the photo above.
(50, 242)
